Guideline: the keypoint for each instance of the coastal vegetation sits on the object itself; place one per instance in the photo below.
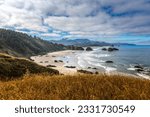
(12, 67)
(21, 44)
(76, 87)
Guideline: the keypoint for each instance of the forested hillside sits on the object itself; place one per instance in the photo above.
(20, 44)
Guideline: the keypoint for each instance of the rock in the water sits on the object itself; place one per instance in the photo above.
(112, 49)
(89, 49)
(138, 66)
(109, 62)
(79, 48)
(104, 49)
(139, 70)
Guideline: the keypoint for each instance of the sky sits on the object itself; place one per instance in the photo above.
(103, 20)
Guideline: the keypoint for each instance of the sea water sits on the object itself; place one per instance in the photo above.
(123, 60)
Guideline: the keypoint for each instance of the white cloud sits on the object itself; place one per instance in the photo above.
(80, 18)
(50, 35)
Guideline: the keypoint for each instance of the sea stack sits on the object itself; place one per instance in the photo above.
(89, 49)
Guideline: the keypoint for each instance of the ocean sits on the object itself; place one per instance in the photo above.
(129, 59)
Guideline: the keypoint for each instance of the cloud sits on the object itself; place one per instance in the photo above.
(77, 18)
(50, 35)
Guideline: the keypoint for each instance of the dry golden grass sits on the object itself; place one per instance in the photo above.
(78, 87)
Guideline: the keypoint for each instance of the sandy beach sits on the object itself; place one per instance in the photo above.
(51, 58)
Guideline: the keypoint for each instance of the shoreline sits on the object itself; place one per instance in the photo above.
(52, 60)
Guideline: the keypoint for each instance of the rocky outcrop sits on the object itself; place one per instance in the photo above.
(104, 49)
(110, 49)
(89, 49)
(79, 48)
(109, 62)
(92, 68)
(138, 66)
(56, 61)
(70, 67)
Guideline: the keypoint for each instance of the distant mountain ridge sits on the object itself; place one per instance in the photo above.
(80, 42)
(85, 42)
(20, 44)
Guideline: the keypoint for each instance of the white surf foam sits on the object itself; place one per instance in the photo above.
(110, 69)
(131, 69)
(107, 69)
(143, 76)
(98, 55)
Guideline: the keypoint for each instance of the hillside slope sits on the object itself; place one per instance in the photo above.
(12, 67)
(20, 44)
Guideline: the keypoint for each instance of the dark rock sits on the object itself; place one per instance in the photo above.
(94, 68)
(50, 66)
(46, 61)
(96, 72)
(139, 70)
(70, 66)
(89, 67)
(53, 56)
(104, 49)
(61, 61)
(109, 62)
(55, 61)
(138, 66)
(112, 49)
(79, 48)
(89, 49)
(84, 71)
(41, 61)
(31, 59)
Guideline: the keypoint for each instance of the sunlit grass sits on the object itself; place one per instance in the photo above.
(78, 87)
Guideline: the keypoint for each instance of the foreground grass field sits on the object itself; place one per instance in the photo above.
(78, 87)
